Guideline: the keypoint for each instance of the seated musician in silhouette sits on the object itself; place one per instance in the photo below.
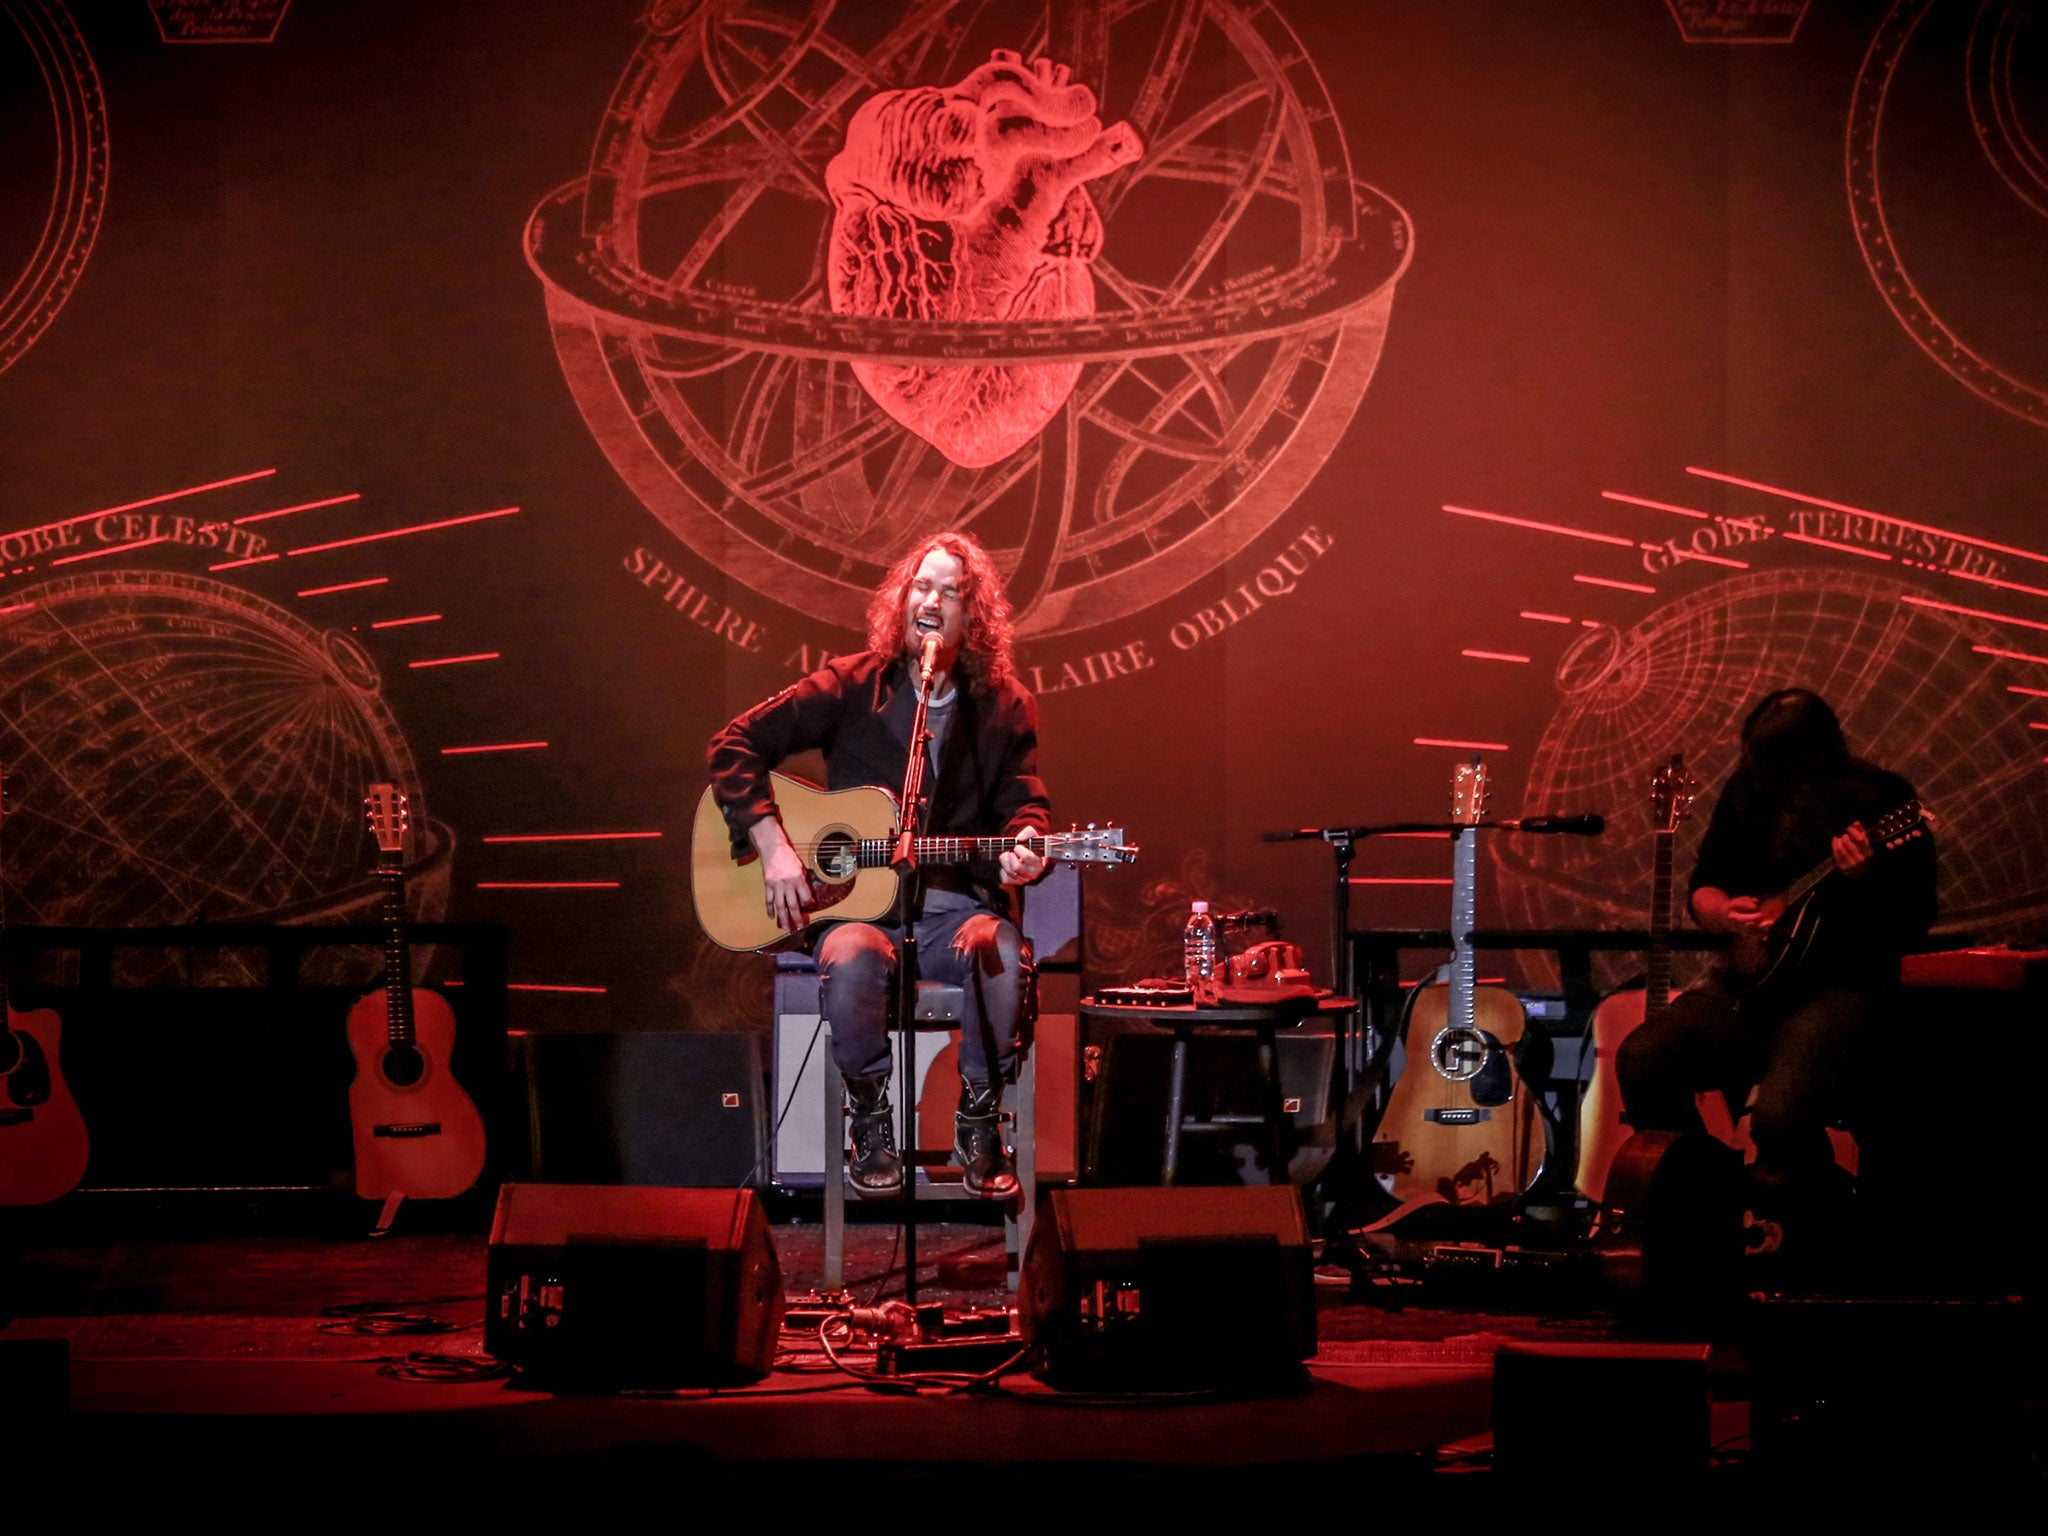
(982, 780)
(1803, 1039)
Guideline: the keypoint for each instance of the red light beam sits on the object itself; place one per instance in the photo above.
(400, 533)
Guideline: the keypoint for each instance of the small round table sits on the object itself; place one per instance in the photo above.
(1262, 1019)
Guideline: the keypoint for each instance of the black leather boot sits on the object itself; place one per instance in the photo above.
(876, 1169)
(988, 1167)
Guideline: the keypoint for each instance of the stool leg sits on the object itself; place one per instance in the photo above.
(1017, 1222)
(835, 1170)
(1278, 1125)
(1176, 1089)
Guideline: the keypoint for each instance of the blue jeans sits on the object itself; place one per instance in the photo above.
(966, 946)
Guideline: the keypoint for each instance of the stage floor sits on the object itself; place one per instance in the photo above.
(301, 1348)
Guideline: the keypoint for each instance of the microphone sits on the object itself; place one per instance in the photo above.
(1579, 826)
(927, 661)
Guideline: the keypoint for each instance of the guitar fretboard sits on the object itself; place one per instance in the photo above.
(880, 852)
(397, 959)
(1464, 913)
(1657, 966)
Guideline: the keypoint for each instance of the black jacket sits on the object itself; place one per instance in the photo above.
(857, 709)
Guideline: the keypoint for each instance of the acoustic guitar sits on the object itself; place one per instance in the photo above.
(847, 841)
(1601, 1132)
(416, 1131)
(1460, 1125)
(43, 1146)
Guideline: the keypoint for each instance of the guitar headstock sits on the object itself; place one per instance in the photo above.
(1672, 793)
(390, 816)
(1900, 826)
(1092, 845)
(1468, 792)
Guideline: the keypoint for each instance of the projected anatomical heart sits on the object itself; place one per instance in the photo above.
(968, 204)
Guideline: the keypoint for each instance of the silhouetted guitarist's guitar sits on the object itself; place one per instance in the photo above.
(416, 1132)
(846, 838)
(43, 1148)
(1601, 1131)
(1459, 1124)
(1765, 965)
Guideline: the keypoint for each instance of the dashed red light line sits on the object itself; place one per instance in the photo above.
(2006, 586)
(1547, 618)
(1992, 650)
(1660, 506)
(1847, 549)
(1447, 741)
(451, 661)
(1399, 880)
(147, 501)
(2037, 725)
(2032, 693)
(400, 533)
(17, 608)
(110, 549)
(1883, 517)
(1619, 586)
(566, 837)
(1541, 527)
(494, 746)
(1974, 613)
(229, 565)
(345, 586)
(418, 618)
(544, 986)
(304, 506)
(1493, 656)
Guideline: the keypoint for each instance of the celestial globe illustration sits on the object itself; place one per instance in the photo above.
(178, 751)
(841, 276)
(1914, 694)
(47, 78)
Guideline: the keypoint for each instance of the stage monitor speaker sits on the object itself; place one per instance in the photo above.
(599, 1286)
(1170, 1289)
(663, 1107)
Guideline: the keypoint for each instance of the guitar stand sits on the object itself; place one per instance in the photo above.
(388, 1214)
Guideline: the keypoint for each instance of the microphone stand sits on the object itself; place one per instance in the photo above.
(910, 811)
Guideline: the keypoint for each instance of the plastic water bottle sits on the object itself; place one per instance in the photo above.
(1198, 944)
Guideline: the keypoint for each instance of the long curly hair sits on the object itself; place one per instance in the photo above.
(987, 648)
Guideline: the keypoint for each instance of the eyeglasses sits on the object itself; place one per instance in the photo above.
(922, 589)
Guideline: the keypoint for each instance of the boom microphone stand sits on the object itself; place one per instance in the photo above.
(910, 812)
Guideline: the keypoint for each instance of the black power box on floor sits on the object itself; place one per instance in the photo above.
(597, 1286)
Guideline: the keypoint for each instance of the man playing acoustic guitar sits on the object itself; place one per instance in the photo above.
(1799, 1027)
(945, 596)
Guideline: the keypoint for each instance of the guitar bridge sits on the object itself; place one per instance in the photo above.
(11, 1116)
(408, 1131)
(1472, 1116)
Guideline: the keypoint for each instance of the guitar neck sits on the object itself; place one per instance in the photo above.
(1464, 914)
(397, 957)
(880, 852)
(1657, 966)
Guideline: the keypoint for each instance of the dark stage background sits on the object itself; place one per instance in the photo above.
(449, 394)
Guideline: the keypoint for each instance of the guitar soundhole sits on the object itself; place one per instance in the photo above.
(1458, 1053)
(404, 1066)
(838, 854)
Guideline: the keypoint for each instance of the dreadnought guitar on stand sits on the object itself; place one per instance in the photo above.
(416, 1131)
(43, 1148)
(847, 839)
(1460, 1126)
(1601, 1131)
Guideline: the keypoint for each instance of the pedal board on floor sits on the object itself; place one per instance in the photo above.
(959, 1342)
(1476, 1270)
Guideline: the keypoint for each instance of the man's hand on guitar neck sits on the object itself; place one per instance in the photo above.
(1020, 862)
(1852, 850)
(785, 887)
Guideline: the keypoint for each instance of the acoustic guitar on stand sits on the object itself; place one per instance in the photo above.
(43, 1146)
(847, 839)
(416, 1131)
(1460, 1125)
(1601, 1132)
